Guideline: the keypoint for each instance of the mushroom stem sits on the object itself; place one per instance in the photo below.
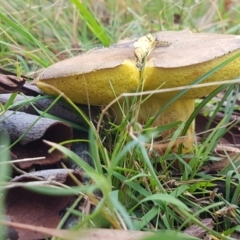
(179, 110)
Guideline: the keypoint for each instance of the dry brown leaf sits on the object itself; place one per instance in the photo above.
(231, 139)
(84, 234)
(31, 145)
(10, 83)
(220, 165)
(59, 109)
(25, 206)
(197, 231)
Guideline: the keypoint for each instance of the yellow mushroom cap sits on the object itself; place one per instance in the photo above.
(188, 57)
(98, 76)
(95, 77)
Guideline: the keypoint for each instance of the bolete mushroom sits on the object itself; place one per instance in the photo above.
(166, 59)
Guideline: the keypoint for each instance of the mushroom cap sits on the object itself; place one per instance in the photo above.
(98, 76)
(188, 57)
(95, 77)
(189, 48)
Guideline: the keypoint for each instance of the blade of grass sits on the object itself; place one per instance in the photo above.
(95, 27)
(20, 28)
(5, 173)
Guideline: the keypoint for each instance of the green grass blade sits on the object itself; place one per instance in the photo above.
(95, 27)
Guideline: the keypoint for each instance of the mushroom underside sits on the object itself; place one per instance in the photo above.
(100, 87)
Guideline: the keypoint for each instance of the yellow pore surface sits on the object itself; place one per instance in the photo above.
(184, 76)
(99, 87)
